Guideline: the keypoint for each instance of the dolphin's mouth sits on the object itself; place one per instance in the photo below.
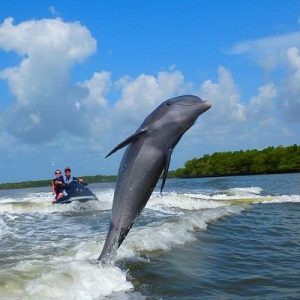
(206, 103)
(185, 104)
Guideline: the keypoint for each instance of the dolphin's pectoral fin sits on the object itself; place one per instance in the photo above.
(129, 140)
(166, 168)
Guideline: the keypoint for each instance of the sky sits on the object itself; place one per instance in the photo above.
(78, 77)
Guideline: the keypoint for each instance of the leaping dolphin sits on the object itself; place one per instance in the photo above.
(145, 159)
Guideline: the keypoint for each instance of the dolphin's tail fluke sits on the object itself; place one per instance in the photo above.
(110, 247)
(108, 254)
(114, 239)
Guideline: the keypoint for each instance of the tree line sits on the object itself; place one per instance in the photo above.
(250, 162)
(46, 182)
(267, 161)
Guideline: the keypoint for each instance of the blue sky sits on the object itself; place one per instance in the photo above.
(78, 77)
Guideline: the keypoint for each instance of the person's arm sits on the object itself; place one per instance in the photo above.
(53, 187)
(61, 181)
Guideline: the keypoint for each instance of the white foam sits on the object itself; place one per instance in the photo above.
(3, 227)
(105, 195)
(231, 194)
(73, 275)
(167, 234)
(246, 191)
(77, 280)
(168, 202)
(41, 203)
(282, 199)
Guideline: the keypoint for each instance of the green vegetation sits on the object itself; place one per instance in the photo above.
(24, 184)
(42, 183)
(267, 161)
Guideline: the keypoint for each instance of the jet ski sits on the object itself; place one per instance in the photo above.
(76, 191)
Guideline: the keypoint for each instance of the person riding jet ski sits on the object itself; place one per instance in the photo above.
(74, 189)
(68, 178)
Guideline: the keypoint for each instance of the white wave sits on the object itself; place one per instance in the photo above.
(71, 279)
(246, 191)
(4, 229)
(41, 203)
(73, 275)
(282, 199)
(230, 194)
(105, 195)
(10, 200)
(171, 202)
(177, 231)
(168, 202)
(78, 280)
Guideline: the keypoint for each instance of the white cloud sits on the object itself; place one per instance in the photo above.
(290, 91)
(144, 93)
(223, 126)
(262, 106)
(51, 111)
(268, 52)
(53, 10)
(71, 40)
(225, 97)
(98, 86)
(278, 53)
(48, 49)
(137, 98)
(293, 57)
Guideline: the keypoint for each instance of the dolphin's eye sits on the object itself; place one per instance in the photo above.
(169, 103)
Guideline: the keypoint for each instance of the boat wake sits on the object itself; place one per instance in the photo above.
(49, 251)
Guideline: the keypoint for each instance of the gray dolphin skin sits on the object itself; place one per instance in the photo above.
(147, 157)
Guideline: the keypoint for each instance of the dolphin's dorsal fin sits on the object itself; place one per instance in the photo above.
(166, 168)
(129, 140)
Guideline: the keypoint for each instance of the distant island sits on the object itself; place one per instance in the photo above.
(270, 160)
(47, 182)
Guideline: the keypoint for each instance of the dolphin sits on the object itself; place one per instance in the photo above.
(147, 157)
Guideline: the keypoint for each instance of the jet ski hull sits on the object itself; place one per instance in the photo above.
(77, 192)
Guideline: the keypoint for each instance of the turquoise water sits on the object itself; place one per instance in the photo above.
(209, 238)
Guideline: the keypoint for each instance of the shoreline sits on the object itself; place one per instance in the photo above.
(270, 160)
(112, 178)
(47, 182)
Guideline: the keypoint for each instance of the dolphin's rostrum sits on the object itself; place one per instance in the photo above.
(147, 157)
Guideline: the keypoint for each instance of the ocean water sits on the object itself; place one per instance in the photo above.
(208, 238)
